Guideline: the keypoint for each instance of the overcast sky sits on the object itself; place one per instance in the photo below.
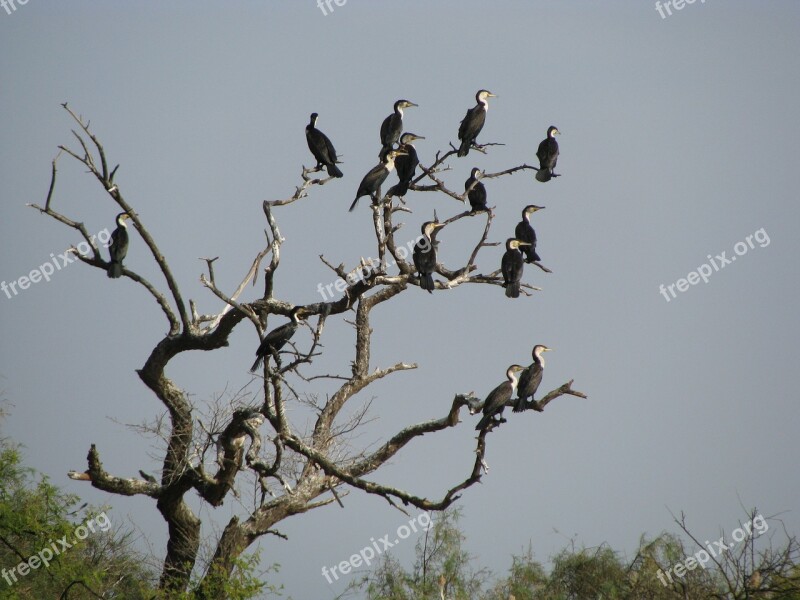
(679, 140)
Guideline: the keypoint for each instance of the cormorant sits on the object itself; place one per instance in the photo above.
(526, 233)
(377, 175)
(118, 248)
(476, 195)
(530, 379)
(511, 266)
(473, 122)
(276, 339)
(321, 147)
(548, 155)
(406, 164)
(497, 399)
(425, 255)
(392, 126)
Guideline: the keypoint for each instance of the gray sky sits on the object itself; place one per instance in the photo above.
(679, 141)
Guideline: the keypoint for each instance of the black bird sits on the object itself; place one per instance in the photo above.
(498, 398)
(530, 379)
(477, 192)
(392, 126)
(277, 338)
(321, 147)
(525, 232)
(425, 255)
(548, 155)
(118, 248)
(406, 164)
(511, 266)
(472, 123)
(371, 184)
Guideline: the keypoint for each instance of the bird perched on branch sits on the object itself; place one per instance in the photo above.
(321, 147)
(425, 254)
(276, 339)
(118, 248)
(476, 191)
(392, 126)
(498, 398)
(472, 123)
(530, 379)
(406, 164)
(371, 184)
(525, 232)
(511, 266)
(548, 155)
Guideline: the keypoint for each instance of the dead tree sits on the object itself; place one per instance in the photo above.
(298, 471)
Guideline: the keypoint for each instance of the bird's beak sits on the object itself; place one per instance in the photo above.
(418, 137)
(412, 104)
(491, 95)
(438, 225)
(523, 243)
(547, 350)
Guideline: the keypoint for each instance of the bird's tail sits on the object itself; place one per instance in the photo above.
(353, 205)
(536, 257)
(512, 290)
(426, 282)
(543, 175)
(463, 150)
(115, 270)
(485, 420)
(257, 364)
(519, 405)
(334, 171)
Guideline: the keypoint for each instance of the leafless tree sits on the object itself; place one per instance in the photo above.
(298, 470)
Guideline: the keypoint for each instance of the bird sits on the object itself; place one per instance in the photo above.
(548, 155)
(277, 338)
(322, 148)
(373, 180)
(511, 266)
(425, 254)
(530, 379)
(118, 248)
(525, 232)
(496, 400)
(472, 123)
(476, 191)
(392, 126)
(406, 165)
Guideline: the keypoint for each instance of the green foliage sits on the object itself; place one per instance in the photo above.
(35, 516)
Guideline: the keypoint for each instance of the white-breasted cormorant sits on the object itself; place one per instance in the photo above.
(473, 122)
(525, 232)
(406, 164)
(530, 379)
(548, 155)
(118, 248)
(511, 267)
(392, 126)
(277, 338)
(498, 398)
(425, 255)
(321, 147)
(476, 195)
(373, 180)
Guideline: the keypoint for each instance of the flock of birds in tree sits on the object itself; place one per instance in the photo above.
(398, 153)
